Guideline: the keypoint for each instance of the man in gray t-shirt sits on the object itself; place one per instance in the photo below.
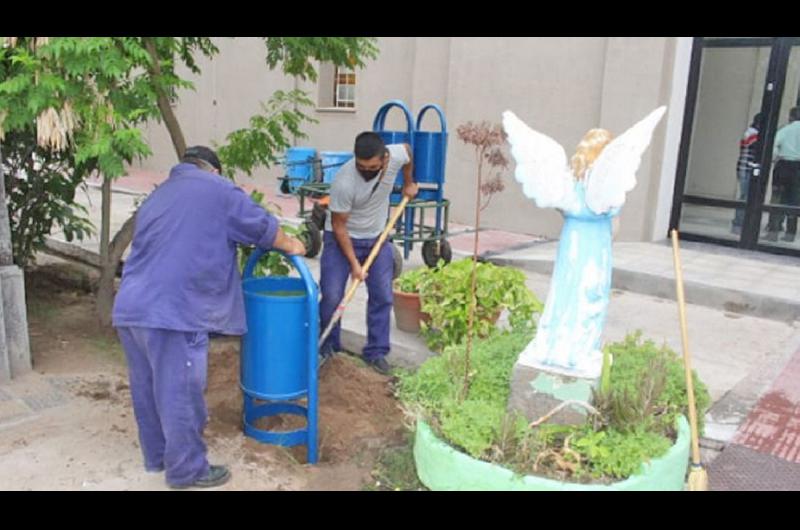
(359, 206)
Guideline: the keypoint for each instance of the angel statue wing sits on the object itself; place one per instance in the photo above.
(613, 174)
(542, 166)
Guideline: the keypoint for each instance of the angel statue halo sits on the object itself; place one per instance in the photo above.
(589, 193)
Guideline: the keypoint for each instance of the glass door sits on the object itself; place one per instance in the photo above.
(722, 143)
(777, 197)
(738, 178)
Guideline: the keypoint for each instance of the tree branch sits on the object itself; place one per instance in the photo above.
(170, 120)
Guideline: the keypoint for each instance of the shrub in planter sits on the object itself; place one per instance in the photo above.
(638, 412)
(445, 294)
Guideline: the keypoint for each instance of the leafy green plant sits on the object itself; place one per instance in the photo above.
(474, 423)
(445, 294)
(268, 135)
(40, 189)
(648, 387)
(271, 263)
(621, 455)
(639, 404)
(410, 281)
(87, 97)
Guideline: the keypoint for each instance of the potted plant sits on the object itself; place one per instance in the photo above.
(636, 436)
(407, 306)
(436, 301)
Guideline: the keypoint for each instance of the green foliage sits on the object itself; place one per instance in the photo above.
(271, 263)
(268, 135)
(645, 387)
(91, 91)
(605, 372)
(99, 87)
(410, 281)
(445, 296)
(297, 55)
(648, 387)
(40, 191)
(474, 423)
(580, 452)
(622, 454)
(100, 90)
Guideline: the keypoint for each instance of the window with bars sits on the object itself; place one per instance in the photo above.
(336, 88)
(344, 88)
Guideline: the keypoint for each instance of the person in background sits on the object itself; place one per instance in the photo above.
(748, 150)
(786, 177)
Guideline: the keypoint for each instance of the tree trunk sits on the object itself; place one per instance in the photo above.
(170, 120)
(105, 288)
(108, 269)
(105, 221)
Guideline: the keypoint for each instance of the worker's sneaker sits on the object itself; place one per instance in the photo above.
(216, 476)
(771, 236)
(379, 364)
(788, 237)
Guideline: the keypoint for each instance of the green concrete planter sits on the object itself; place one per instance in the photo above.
(442, 468)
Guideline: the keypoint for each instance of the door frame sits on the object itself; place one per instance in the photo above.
(772, 95)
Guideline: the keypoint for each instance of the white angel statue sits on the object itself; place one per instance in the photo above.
(589, 192)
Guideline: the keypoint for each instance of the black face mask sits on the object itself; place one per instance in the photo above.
(369, 175)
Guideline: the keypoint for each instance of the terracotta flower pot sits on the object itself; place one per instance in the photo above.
(407, 311)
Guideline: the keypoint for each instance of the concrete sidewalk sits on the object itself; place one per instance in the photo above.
(732, 280)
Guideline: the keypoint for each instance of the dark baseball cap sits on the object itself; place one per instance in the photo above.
(205, 154)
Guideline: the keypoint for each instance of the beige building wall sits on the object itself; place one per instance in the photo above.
(553, 84)
(560, 86)
(226, 95)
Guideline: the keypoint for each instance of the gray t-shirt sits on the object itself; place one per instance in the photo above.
(366, 202)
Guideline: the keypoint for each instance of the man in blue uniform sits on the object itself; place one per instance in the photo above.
(180, 283)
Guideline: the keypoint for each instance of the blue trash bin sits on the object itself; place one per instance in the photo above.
(299, 166)
(279, 353)
(332, 162)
